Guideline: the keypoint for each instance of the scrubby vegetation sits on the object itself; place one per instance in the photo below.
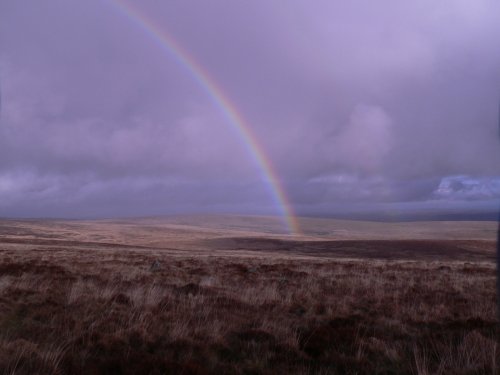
(106, 311)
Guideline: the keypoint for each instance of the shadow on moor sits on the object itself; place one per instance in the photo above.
(164, 297)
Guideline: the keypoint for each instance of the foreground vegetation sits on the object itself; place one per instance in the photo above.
(109, 311)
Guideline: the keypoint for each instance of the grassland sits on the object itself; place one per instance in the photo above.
(233, 295)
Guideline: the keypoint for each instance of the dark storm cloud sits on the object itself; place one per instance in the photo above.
(355, 102)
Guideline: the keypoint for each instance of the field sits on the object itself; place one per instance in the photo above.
(234, 295)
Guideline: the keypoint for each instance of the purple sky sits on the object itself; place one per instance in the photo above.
(360, 105)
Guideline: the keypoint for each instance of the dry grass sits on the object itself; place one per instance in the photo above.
(102, 310)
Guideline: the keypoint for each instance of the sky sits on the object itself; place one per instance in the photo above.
(359, 106)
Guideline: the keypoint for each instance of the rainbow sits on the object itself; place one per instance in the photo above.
(221, 100)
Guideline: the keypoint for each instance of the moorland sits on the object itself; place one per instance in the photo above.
(236, 295)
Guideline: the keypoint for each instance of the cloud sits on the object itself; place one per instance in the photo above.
(364, 142)
(467, 188)
(358, 102)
